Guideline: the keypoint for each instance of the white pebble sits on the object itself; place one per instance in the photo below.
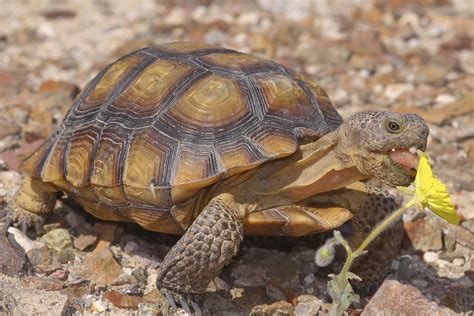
(98, 307)
(458, 262)
(430, 256)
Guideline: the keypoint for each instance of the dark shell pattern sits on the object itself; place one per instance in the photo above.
(161, 124)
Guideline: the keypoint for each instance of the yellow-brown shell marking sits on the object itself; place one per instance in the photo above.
(161, 124)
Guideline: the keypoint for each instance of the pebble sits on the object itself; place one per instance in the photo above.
(458, 262)
(394, 298)
(430, 256)
(58, 239)
(425, 233)
(395, 90)
(98, 307)
(307, 305)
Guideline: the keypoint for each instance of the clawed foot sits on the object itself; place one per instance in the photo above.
(20, 218)
(186, 301)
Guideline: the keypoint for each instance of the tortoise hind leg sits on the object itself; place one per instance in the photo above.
(198, 257)
(31, 204)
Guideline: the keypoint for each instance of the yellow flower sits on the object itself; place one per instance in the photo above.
(432, 193)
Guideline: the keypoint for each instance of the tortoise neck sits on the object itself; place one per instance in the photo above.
(316, 167)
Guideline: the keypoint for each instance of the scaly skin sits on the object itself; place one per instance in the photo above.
(199, 256)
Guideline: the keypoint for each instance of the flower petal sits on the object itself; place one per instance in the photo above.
(432, 193)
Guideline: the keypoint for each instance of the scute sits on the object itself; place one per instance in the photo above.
(160, 125)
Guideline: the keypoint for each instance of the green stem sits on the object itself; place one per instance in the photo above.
(342, 280)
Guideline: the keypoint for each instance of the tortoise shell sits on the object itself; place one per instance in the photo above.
(162, 124)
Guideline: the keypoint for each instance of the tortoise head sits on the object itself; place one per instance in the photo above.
(382, 144)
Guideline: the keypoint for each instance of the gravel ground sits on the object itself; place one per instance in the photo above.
(408, 56)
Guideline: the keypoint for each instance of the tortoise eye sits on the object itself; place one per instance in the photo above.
(393, 127)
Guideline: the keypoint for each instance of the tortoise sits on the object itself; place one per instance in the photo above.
(207, 142)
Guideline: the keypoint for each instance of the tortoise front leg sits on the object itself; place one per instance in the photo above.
(32, 203)
(369, 206)
(198, 257)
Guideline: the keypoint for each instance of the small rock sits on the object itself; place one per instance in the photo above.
(98, 306)
(395, 90)
(430, 256)
(58, 239)
(107, 233)
(308, 305)
(394, 298)
(44, 260)
(23, 241)
(10, 82)
(101, 267)
(12, 257)
(128, 301)
(463, 236)
(424, 234)
(458, 262)
(60, 275)
(57, 85)
(85, 240)
(281, 308)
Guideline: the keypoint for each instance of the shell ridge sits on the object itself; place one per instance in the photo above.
(43, 162)
(253, 97)
(123, 84)
(74, 111)
(119, 88)
(180, 88)
(331, 122)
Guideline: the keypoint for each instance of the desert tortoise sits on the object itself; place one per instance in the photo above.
(204, 141)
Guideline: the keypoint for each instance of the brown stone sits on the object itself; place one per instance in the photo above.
(394, 298)
(101, 267)
(10, 82)
(58, 85)
(13, 158)
(424, 234)
(107, 233)
(85, 240)
(130, 301)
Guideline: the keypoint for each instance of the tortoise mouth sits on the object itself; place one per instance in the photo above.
(405, 160)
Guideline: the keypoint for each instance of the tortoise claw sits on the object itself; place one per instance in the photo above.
(187, 302)
(24, 226)
(6, 225)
